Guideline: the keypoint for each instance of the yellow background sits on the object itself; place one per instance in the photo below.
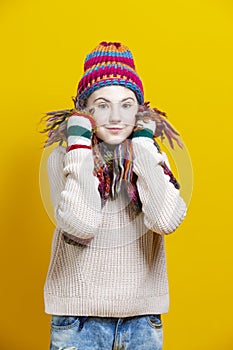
(183, 53)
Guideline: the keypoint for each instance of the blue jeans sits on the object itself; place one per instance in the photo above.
(100, 333)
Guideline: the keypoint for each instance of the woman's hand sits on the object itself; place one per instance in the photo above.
(79, 130)
(144, 128)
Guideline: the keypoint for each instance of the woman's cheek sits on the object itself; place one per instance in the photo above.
(100, 133)
(99, 121)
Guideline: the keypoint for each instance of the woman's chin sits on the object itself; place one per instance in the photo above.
(113, 139)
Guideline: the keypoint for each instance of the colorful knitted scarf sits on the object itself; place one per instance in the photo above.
(114, 169)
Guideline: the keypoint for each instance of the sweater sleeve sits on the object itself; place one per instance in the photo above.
(56, 176)
(162, 205)
(74, 192)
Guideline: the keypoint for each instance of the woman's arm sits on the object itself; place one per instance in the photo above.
(74, 192)
(162, 205)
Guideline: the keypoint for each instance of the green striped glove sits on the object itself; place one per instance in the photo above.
(144, 128)
(79, 131)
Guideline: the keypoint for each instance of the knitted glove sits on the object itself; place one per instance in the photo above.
(79, 131)
(144, 128)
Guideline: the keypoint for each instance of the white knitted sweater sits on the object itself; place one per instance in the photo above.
(122, 271)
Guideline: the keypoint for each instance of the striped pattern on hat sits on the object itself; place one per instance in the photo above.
(109, 64)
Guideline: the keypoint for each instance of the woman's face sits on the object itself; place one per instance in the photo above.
(114, 109)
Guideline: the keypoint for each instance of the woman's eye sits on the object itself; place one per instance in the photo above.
(126, 105)
(103, 106)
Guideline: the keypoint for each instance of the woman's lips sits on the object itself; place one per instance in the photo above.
(114, 130)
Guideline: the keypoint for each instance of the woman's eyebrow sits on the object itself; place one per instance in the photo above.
(101, 98)
(127, 98)
(106, 100)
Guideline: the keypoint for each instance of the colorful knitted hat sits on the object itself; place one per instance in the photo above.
(109, 64)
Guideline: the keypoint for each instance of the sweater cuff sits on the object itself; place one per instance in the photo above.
(77, 158)
(69, 148)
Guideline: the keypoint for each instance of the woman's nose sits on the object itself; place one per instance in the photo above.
(115, 116)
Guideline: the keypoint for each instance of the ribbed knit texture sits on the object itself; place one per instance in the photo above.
(122, 272)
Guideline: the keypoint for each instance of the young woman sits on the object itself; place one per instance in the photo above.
(114, 199)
